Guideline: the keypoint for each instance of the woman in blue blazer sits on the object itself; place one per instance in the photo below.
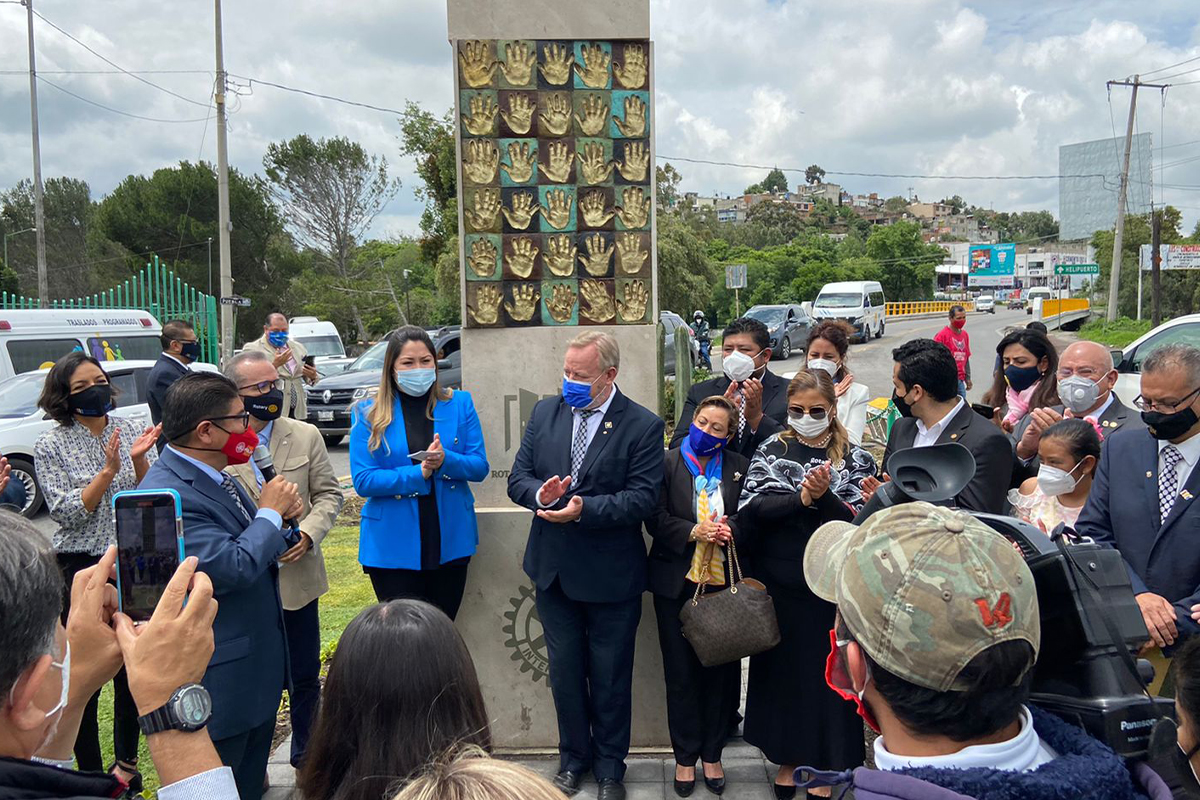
(418, 529)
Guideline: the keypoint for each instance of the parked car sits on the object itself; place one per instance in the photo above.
(33, 339)
(1181, 330)
(330, 399)
(985, 302)
(671, 321)
(787, 326)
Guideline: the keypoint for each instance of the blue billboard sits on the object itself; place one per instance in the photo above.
(992, 265)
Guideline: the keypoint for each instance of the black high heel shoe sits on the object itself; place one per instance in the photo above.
(784, 792)
(714, 785)
(684, 788)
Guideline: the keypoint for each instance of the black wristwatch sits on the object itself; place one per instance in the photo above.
(188, 710)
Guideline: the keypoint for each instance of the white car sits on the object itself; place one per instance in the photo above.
(1181, 330)
(985, 302)
(22, 422)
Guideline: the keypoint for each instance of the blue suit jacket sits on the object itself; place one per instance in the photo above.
(249, 669)
(1123, 511)
(164, 373)
(601, 558)
(389, 534)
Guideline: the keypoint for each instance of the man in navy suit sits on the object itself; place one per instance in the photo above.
(1141, 500)
(180, 348)
(207, 425)
(591, 467)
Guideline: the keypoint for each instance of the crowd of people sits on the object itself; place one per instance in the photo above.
(921, 623)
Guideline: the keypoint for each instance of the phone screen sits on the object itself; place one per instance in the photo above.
(148, 547)
(983, 410)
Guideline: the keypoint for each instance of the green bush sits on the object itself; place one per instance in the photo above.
(1115, 334)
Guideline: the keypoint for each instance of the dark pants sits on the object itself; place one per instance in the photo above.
(590, 646)
(125, 725)
(303, 629)
(442, 587)
(702, 701)
(247, 755)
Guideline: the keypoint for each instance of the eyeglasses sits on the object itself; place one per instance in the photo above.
(1083, 372)
(1142, 404)
(262, 387)
(244, 417)
(816, 412)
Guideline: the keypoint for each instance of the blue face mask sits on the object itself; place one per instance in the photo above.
(704, 443)
(277, 338)
(415, 382)
(577, 394)
(1021, 378)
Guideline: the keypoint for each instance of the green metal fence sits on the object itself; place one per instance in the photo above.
(155, 288)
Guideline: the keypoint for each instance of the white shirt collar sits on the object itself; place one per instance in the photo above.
(941, 424)
(1189, 449)
(1025, 752)
(200, 465)
(176, 360)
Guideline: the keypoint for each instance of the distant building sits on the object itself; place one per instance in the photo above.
(962, 228)
(930, 211)
(823, 191)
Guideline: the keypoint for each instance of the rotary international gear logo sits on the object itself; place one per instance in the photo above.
(525, 635)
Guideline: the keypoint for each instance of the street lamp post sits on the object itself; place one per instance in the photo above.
(14, 233)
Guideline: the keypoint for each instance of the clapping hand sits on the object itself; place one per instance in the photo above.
(553, 490)
(434, 458)
(716, 531)
(112, 452)
(815, 484)
(143, 443)
(570, 513)
(5, 473)
(871, 484)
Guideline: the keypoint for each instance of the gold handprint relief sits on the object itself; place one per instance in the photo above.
(600, 306)
(594, 208)
(636, 165)
(480, 161)
(483, 258)
(484, 215)
(524, 302)
(557, 211)
(634, 124)
(594, 72)
(631, 74)
(477, 64)
(561, 303)
(635, 211)
(560, 254)
(521, 161)
(599, 255)
(520, 257)
(481, 117)
(522, 212)
(595, 166)
(556, 64)
(486, 308)
(558, 163)
(630, 255)
(519, 59)
(519, 116)
(633, 302)
(555, 119)
(595, 115)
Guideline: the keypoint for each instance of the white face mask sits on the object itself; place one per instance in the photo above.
(1054, 481)
(737, 366)
(823, 363)
(64, 667)
(808, 427)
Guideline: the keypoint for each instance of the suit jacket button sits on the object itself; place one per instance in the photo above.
(456, 440)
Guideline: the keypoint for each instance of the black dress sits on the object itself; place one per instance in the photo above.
(791, 713)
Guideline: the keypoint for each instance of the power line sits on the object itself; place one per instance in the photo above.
(118, 111)
(253, 81)
(881, 174)
(108, 71)
(1172, 66)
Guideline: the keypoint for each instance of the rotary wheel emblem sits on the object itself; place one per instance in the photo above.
(525, 635)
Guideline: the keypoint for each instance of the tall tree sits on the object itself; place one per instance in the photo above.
(430, 142)
(814, 175)
(685, 273)
(907, 264)
(895, 204)
(666, 179)
(775, 181)
(331, 190)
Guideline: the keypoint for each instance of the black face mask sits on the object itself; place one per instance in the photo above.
(189, 350)
(265, 406)
(902, 405)
(1169, 426)
(94, 401)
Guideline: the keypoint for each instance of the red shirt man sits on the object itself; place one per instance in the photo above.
(958, 342)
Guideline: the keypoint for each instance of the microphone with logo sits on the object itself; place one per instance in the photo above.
(266, 465)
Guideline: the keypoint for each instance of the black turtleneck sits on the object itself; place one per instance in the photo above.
(419, 428)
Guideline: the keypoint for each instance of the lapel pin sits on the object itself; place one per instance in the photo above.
(737, 476)
(608, 425)
(954, 436)
(1185, 494)
(1149, 474)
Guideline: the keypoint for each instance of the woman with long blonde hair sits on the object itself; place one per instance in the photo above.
(798, 480)
(473, 775)
(414, 448)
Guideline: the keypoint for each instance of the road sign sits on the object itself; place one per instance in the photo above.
(1076, 269)
(735, 276)
(236, 300)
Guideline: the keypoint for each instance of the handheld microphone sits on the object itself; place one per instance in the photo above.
(266, 465)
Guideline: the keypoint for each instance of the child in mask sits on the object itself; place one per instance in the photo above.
(1069, 452)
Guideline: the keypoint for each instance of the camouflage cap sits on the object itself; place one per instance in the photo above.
(924, 589)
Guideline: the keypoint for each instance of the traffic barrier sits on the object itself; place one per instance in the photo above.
(1052, 308)
(924, 307)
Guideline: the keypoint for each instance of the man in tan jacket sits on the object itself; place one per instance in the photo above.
(300, 456)
(288, 357)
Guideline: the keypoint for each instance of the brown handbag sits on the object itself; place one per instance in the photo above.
(733, 623)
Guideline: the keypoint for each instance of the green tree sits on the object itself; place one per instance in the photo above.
(685, 273)
(907, 264)
(775, 181)
(814, 175)
(773, 223)
(429, 141)
(1180, 288)
(956, 203)
(895, 204)
(666, 179)
(331, 190)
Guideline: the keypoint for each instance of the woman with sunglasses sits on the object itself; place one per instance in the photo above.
(81, 462)
(798, 480)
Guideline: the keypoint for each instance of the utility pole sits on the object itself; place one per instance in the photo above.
(1155, 271)
(223, 198)
(1114, 280)
(39, 222)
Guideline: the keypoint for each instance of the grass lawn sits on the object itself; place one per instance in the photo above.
(1115, 334)
(349, 592)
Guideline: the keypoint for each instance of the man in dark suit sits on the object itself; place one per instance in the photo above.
(1141, 500)
(180, 348)
(590, 465)
(1085, 383)
(759, 393)
(925, 383)
(238, 546)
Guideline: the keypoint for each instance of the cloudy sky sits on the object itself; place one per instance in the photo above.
(931, 87)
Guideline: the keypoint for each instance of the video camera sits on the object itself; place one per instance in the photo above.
(1091, 623)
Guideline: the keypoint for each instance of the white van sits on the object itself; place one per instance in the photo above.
(860, 303)
(1035, 294)
(321, 339)
(35, 338)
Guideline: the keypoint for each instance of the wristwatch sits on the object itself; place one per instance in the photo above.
(188, 710)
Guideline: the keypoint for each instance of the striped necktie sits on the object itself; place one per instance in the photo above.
(231, 490)
(580, 443)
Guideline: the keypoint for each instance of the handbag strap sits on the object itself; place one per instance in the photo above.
(735, 574)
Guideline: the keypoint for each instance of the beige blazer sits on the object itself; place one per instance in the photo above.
(300, 456)
(291, 380)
